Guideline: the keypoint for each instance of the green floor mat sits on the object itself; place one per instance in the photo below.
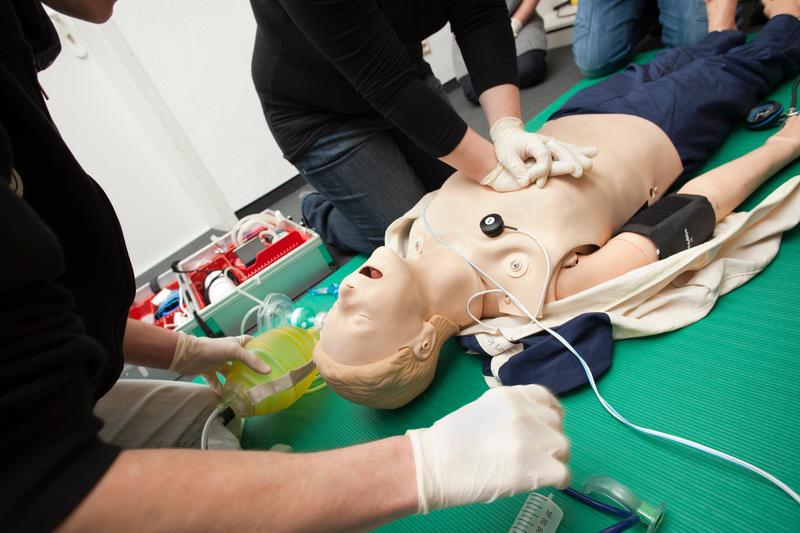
(731, 381)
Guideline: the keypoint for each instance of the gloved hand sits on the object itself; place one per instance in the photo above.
(516, 27)
(502, 180)
(507, 441)
(206, 356)
(514, 146)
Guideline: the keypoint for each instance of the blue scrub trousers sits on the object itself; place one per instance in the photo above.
(696, 95)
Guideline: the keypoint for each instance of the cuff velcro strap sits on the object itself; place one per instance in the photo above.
(675, 223)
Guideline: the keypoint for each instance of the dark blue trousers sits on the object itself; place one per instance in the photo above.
(696, 95)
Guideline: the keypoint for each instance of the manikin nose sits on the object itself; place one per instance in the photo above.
(346, 288)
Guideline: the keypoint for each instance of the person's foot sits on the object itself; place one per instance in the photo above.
(721, 15)
(308, 200)
(781, 7)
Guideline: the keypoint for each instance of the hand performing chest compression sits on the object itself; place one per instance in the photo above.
(526, 158)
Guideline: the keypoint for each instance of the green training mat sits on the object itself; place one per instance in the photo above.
(730, 381)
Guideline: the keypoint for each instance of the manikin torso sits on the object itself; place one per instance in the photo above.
(636, 164)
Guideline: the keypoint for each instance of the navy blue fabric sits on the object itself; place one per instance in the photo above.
(545, 361)
(697, 94)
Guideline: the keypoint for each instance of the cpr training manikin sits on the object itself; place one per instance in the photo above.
(381, 339)
(574, 240)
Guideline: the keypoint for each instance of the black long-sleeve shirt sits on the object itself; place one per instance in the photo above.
(317, 63)
(65, 287)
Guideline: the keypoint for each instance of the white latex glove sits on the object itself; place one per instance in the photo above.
(514, 147)
(206, 356)
(502, 180)
(507, 441)
(516, 27)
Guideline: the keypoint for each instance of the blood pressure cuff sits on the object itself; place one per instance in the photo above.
(675, 223)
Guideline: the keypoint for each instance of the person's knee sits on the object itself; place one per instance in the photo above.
(532, 68)
(683, 22)
(594, 65)
(602, 58)
(688, 34)
(604, 37)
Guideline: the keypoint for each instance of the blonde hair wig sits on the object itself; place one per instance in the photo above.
(390, 382)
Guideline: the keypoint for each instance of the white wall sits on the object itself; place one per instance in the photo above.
(197, 54)
(440, 57)
(157, 214)
(163, 113)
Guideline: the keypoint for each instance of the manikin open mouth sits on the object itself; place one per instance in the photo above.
(370, 272)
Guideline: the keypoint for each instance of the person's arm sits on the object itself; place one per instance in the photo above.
(359, 41)
(501, 101)
(523, 14)
(360, 488)
(518, 445)
(97, 11)
(148, 345)
(528, 157)
(725, 187)
(474, 156)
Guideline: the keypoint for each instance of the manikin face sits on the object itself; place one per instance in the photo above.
(380, 309)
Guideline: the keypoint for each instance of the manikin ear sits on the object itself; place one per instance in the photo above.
(423, 344)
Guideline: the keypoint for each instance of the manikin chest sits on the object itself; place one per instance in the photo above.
(635, 165)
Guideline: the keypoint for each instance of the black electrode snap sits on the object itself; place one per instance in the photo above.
(492, 225)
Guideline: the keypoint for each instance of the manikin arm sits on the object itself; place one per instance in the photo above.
(726, 187)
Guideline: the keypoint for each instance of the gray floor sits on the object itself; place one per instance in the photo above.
(562, 74)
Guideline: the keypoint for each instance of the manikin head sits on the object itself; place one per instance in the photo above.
(380, 343)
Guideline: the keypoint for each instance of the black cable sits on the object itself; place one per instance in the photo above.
(207, 330)
(793, 105)
(227, 415)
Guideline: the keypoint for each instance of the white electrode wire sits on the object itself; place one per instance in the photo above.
(240, 291)
(260, 304)
(660, 434)
(204, 435)
(182, 303)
